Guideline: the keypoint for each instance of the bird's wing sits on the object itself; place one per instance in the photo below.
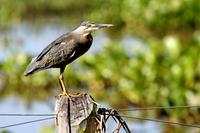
(54, 43)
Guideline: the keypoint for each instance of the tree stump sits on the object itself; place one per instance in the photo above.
(75, 115)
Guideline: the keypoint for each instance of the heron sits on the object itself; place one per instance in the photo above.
(64, 50)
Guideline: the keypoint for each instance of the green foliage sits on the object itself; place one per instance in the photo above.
(163, 70)
(5, 131)
(47, 129)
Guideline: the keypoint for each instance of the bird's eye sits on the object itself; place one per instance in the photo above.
(89, 25)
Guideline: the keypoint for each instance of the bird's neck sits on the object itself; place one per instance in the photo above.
(89, 36)
(86, 34)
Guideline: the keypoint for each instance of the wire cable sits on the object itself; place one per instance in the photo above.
(162, 121)
(154, 108)
(119, 110)
(27, 122)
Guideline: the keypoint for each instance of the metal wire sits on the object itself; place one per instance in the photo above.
(154, 108)
(119, 110)
(162, 121)
(27, 122)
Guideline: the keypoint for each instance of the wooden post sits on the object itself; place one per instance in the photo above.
(75, 115)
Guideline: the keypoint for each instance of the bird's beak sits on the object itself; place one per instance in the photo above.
(102, 25)
(97, 26)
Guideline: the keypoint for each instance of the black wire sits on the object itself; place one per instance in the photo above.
(119, 110)
(162, 121)
(27, 114)
(154, 108)
(22, 123)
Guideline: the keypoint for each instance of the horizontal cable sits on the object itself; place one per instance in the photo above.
(27, 122)
(162, 121)
(119, 110)
(27, 114)
(154, 108)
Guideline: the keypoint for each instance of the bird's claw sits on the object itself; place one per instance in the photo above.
(66, 94)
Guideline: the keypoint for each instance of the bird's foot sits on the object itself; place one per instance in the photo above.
(66, 94)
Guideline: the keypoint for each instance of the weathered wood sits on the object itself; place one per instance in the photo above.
(75, 114)
(80, 114)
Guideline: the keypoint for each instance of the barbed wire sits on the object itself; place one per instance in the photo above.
(155, 108)
(27, 122)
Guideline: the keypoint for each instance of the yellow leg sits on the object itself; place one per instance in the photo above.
(61, 81)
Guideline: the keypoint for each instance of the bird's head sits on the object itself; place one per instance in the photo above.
(88, 27)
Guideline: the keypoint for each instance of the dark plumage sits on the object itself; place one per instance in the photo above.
(60, 52)
(64, 50)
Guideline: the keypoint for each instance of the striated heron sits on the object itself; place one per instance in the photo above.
(64, 50)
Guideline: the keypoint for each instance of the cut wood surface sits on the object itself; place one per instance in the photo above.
(75, 115)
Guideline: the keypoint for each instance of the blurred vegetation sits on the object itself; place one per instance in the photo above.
(163, 70)
(4, 131)
(47, 129)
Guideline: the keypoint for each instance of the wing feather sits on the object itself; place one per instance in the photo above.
(58, 52)
(54, 43)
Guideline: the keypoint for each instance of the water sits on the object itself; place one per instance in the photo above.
(15, 105)
(28, 38)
